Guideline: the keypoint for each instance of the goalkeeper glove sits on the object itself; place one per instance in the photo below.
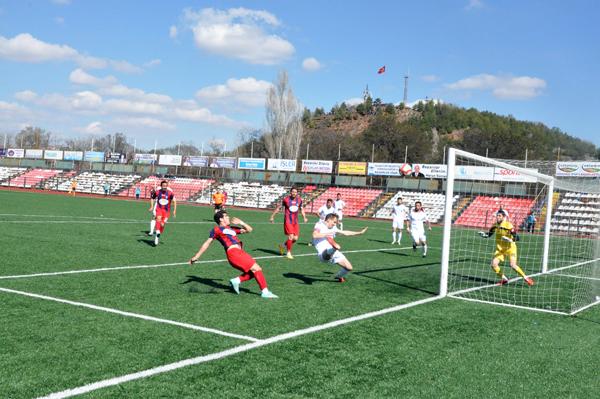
(483, 234)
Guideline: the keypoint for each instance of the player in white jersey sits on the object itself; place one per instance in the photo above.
(328, 250)
(326, 209)
(399, 213)
(339, 209)
(416, 219)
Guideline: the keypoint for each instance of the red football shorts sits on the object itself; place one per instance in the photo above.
(163, 213)
(291, 229)
(240, 259)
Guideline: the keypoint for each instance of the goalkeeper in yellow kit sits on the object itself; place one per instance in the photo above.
(506, 246)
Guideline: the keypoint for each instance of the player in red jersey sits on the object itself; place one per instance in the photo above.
(292, 206)
(238, 258)
(162, 203)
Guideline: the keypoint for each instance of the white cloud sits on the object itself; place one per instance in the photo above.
(354, 101)
(239, 33)
(93, 128)
(311, 64)
(504, 87)
(120, 90)
(11, 107)
(62, 2)
(59, 20)
(86, 100)
(246, 91)
(474, 4)
(26, 95)
(151, 123)
(173, 32)
(204, 115)
(153, 63)
(26, 48)
(80, 77)
(134, 107)
(430, 78)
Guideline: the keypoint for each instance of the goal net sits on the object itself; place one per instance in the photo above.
(556, 245)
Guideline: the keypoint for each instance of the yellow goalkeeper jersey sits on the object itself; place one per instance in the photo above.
(504, 229)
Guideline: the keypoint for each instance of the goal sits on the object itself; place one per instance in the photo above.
(558, 224)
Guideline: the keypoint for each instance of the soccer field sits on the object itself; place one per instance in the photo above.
(86, 299)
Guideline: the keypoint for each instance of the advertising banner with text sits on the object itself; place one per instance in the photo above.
(251, 163)
(316, 166)
(34, 154)
(222, 162)
(578, 169)
(146, 159)
(53, 154)
(93, 156)
(73, 155)
(352, 168)
(169, 160)
(383, 169)
(288, 165)
(199, 162)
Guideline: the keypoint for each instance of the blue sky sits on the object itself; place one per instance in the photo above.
(198, 70)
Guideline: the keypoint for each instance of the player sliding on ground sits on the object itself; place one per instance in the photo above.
(238, 258)
(506, 246)
(329, 251)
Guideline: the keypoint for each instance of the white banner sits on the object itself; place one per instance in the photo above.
(578, 169)
(15, 153)
(169, 160)
(315, 166)
(34, 154)
(474, 173)
(383, 169)
(501, 174)
(281, 164)
(53, 154)
(431, 171)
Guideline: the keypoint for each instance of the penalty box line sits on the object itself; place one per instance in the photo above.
(229, 352)
(131, 314)
(107, 269)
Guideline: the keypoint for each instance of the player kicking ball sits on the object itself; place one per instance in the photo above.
(238, 258)
(329, 251)
(506, 246)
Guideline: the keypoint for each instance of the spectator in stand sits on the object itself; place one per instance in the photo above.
(138, 192)
(531, 222)
(106, 188)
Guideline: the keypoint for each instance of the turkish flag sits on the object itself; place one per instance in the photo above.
(381, 70)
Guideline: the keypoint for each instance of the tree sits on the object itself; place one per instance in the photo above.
(284, 120)
(33, 137)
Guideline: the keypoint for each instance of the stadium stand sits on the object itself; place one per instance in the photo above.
(480, 212)
(356, 199)
(184, 187)
(243, 194)
(92, 182)
(578, 212)
(433, 204)
(33, 178)
(7, 173)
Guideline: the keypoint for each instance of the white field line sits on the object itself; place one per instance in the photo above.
(589, 305)
(582, 277)
(66, 216)
(130, 314)
(229, 352)
(507, 305)
(72, 221)
(108, 269)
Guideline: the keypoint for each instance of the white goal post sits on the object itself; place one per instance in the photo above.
(556, 250)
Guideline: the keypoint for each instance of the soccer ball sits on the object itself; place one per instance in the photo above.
(405, 169)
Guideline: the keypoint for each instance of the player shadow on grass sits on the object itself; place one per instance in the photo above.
(307, 279)
(268, 251)
(213, 283)
(365, 274)
(147, 241)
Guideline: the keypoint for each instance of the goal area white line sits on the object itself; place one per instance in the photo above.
(116, 268)
(130, 314)
(229, 352)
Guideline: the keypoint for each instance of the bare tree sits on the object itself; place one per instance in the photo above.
(284, 120)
